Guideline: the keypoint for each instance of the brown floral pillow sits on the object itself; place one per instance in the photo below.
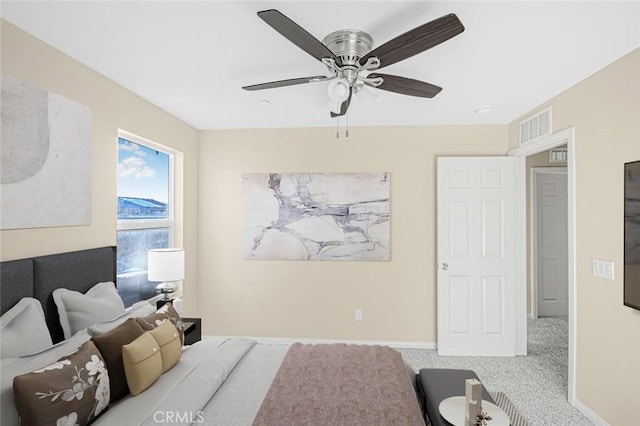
(73, 390)
(166, 311)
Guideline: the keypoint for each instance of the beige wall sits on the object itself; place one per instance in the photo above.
(605, 111)
(113, 108)
(318, 299)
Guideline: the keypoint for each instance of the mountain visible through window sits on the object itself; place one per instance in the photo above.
(143, 182)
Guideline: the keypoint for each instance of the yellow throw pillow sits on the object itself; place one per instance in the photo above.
(167, 337)
(142, 363)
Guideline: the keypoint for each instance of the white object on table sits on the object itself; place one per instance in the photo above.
(473, 403)
(453, 410)
(473, 389)
(471, 412)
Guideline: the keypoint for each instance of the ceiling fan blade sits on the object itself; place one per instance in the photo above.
(283, 83)
(406, 86)
(297, 35)
(345, 105)
(416, 40)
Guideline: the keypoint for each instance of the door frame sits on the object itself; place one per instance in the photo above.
(566, 136)
(535, 173)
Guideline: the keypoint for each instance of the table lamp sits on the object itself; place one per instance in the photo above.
(166, 266)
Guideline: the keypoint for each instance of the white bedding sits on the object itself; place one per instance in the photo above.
(218, 381)
(238, 402)
(179, 395)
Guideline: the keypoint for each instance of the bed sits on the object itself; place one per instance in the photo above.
(220, 381)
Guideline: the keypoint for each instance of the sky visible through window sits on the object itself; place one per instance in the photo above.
(143, 181)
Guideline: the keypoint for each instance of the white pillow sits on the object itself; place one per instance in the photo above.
(24, 329)
(138, 309)
(78, 311)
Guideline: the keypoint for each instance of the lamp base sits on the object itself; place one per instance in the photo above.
(166, 289)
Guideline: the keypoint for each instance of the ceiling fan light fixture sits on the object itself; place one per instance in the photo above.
(366, 95)
(338, 90)
(334, 107)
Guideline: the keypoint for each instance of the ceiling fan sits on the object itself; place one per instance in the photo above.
(348, 56)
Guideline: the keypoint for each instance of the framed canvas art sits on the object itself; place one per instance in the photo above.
(316, 216)
(45, 173)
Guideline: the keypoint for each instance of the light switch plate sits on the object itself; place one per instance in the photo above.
(602, 268)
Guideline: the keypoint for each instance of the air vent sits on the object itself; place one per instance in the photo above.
(535, 126)
(558, 155)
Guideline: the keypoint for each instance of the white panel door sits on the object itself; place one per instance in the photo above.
(476, 256)
(551, 225)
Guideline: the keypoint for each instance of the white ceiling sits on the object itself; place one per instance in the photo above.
(191, 58)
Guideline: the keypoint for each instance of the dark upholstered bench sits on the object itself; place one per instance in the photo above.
(437, 384)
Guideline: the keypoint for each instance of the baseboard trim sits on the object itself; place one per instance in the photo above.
(589, 413)
(290, 340)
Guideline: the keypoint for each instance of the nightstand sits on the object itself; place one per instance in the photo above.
(192, 330)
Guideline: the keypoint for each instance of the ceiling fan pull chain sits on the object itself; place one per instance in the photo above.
(346, 132)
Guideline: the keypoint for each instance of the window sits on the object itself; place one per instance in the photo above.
(145, 212)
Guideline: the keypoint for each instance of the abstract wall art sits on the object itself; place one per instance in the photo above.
(316, 216)
(45, 154)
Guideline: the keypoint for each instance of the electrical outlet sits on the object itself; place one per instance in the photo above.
(358, 314)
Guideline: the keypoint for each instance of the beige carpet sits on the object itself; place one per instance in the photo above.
(536, 383)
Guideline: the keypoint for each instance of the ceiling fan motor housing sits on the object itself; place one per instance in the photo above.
(349, 45)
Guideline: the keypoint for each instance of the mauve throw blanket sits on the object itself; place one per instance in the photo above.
(340, 384)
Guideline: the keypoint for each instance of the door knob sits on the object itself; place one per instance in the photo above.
(443, 266)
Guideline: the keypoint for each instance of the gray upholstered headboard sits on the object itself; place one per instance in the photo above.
(37, 277)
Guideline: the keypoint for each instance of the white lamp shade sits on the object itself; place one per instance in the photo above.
(166, 264)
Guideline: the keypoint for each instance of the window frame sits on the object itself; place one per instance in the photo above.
(169, 222)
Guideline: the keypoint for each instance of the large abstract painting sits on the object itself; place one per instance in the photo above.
(45, 169)
(316, 216)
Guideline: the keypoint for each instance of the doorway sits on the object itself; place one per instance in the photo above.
(543, 144)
